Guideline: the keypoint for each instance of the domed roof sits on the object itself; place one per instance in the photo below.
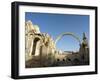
(36, 27)
(32, 27)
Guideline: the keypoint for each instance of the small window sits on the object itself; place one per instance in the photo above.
(58, 60)
(68, 59)
(63, 59)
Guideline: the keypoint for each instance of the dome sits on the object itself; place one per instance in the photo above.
(36, 27)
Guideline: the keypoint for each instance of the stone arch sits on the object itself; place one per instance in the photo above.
(67, 33)
(70, 34)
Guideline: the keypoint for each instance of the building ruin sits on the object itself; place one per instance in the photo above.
(41, 51)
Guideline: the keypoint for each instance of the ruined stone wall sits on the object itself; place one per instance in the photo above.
(45, 42)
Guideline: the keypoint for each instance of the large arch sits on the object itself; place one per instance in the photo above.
(67, 33)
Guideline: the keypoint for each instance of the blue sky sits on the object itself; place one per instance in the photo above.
(55, 24)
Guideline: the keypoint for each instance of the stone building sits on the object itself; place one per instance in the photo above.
(38, 45)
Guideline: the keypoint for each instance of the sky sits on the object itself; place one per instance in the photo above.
(55, 24)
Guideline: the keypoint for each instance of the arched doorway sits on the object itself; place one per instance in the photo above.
(36, 47)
